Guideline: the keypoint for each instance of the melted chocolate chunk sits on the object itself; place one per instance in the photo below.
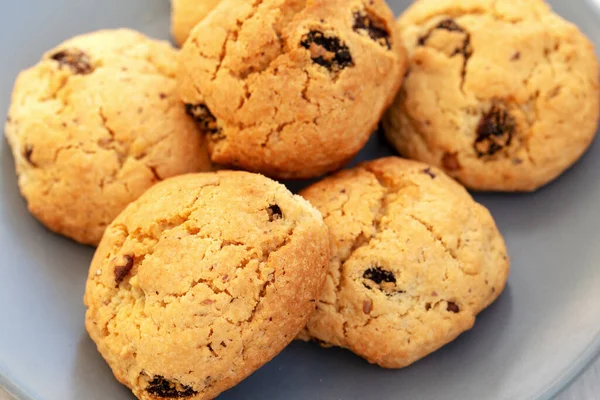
(374, 26)
(121, 271)
(78, 61)
(161, 387)
(203, 117)
(274, 212)
(495, 132)
(379, 275)
(329, 52)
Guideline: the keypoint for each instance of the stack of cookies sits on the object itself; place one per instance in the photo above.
(203, 272)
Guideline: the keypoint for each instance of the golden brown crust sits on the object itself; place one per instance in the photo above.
(414, 260)
(291, 88)
(94, 124)
(202, 280)
(507, 91)
(186, 14)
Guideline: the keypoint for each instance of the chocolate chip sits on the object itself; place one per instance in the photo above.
(450, 162)
(495, 132)
(516, 56)
(76, 60)
(379, 275)
(329, 52)
(429, 172)
(161, 387)
(453, 307)
(367, 306)
(203, 117)
(121, 271)
(274, 212)
(374, 26)
(427, 306)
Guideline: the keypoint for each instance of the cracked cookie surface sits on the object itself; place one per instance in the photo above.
(185, 14)
(414, 259)
(501, 94)
(291, 88)
(94, 124)
(202, 280)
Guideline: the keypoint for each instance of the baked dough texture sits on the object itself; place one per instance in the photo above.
(290, 88)
(503, 95)
(202, 280)
(94, 124)
(186, 14)
(414, 260)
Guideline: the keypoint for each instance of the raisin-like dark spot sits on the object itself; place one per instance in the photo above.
(161, 387)
(379, 275)
(274, 212)
(76, 60)
(428, 171)
(453, 307)
(516, 56)
(427, 306)
(203, 117)
(495, 132)
(329, 52)
(27, 153)
(450, 162)
(374, 26)
(121, 271)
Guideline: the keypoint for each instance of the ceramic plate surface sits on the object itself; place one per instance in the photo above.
(540, 334)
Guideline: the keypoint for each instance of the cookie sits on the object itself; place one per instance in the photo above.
(414, 260)
(503, 95)
(289, 88)
(202, 280)
(185, 14)
(94, 124)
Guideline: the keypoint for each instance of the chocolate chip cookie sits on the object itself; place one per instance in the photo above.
(185, 14)
(94, 124)
(290, 88)
(503, 95)
(202, 280)
(414, 260)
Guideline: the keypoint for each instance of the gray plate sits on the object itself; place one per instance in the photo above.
(539, 335)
